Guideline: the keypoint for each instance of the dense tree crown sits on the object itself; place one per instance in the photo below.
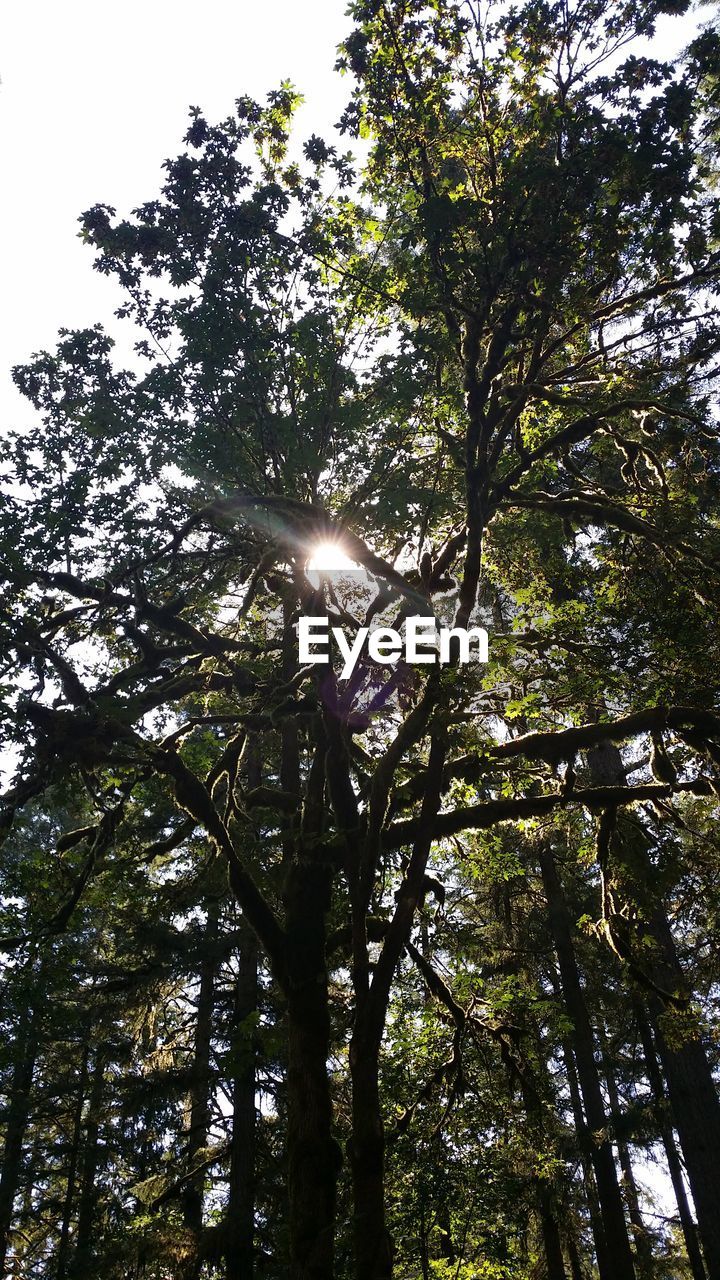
(412, 972)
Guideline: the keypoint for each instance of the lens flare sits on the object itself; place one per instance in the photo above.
(329, 556)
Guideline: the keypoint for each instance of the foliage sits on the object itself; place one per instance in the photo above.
(403, 974)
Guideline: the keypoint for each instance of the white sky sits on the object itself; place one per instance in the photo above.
(94, 97)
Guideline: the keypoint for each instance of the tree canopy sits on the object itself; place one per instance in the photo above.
(414, 973)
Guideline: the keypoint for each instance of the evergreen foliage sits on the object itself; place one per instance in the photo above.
(414, 974)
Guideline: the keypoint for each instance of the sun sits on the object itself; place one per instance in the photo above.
(329, 556)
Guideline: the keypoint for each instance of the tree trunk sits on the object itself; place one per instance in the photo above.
(313, 1154)
(643, 1248)
(690, 1085)
(193, 1197)
(619, 1254)
(590, 1187)
(73, 1159)
(373, 1247)
(655, 1079)
(446, 1246)
(81, 1264)
(532, 1101)
(576, 1268)
(694, 1101)
(554, 1263)
(240, 1222)
(17, 1118)
(26, 1212)
(373, 1244)
(423, 1241)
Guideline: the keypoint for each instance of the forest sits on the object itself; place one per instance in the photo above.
(413, 973)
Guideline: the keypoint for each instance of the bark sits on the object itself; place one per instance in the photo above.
(194, 1194)
(26, 1212)
(446, 1246)
(619, 1254)
(373, 1244)
(674, 1164)
(423, 1241)
(690, 1085)
(313, 1154)
(554, 1264)
(695, 1107)
(17, 1118)
(81, 1263)
(576, 1269)
(643, 1248)
(240, 1223)
(590, 1187)
(72, 1169)
(537, 1129)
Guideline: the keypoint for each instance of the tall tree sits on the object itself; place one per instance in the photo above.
(481, 367)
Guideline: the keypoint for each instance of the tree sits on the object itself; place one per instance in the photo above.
(483, 364)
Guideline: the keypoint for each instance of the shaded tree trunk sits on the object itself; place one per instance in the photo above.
(532, 1101)
(591, 1197)
(643, 1248)
(576, 1268)
(26, 1213)
(619, 1254)
(81, 1263)
(373, 1247)
(423, 1241)
(690, 1085)
(240, 1222)
(193, 1196)
(313, 1154)
(447, 1248)
(17, 1118)
(73, 1160)
(674, 1164)
(694, 1101)
(373, 1244)
(552, 1246)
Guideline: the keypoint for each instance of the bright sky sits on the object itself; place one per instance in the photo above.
(94, 97)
